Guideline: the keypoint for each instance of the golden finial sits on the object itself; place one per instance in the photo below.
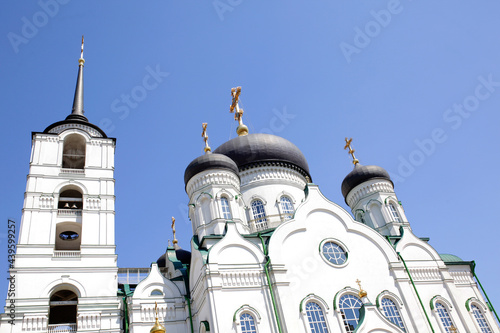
(242, 129)
(157, 328)
(204, 135)
(351, 151)
(81, 61)
(173, 230)
(453, 328)
(361, 292)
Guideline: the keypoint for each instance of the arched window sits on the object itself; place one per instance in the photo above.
(74, 152)
(481, 321)
(259, 214)
(286, 208)
(444, 316)
(391, 312)
(68, 236)
(70, 199)
(349, 306)
(247, 323)
(157, 292)
(63, 311)
(226, 211)
(394, 213)
(316, 318)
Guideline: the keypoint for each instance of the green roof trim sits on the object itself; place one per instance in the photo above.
(446, 257)
(311, 294)
(245, 306)
(362, 312)
(206, 324)
(337, 295)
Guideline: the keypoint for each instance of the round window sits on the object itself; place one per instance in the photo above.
(68, 235)
(334, 253)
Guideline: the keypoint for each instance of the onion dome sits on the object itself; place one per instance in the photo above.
(162, 261)
(361, 174)
(209, 161)
(258, 149)
(183, 256)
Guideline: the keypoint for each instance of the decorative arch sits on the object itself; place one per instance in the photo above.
(442, 310)
(342, 292)
(315, 298)
(478, 311)
(224, 192)
(286, 194)
(64, 283)
(374, 210)
(74, 151)
(390, 305)
(348, 305)
(257, 197)
(249, 316)
(246, 308)
(314, 312)
(71, 185)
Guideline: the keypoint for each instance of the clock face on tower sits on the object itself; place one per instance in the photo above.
(334, 253)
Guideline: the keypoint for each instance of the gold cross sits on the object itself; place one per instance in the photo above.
(238, 113)
(81, 54)
(453, 328)
(204, 135)
(173, 230)
(361, 292)
(351, 151)
(156, 310)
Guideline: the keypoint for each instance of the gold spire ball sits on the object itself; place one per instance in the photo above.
(204, 135)
(81, 61)
(351, 151)
(157, 328)
(242, 129)
(361, 292)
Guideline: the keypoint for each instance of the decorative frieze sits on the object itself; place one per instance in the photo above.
(34, 323)
(271, 172)
(234, 279)
(89, 321)
(93, 203)
(425, 274)
(165, 311)
(362, 191)
(59, 129)
(212, 177)
(46, 201)
(461, 277)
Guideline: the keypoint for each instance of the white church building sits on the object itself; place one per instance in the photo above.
(269, 253)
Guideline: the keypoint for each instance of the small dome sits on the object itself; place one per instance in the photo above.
(161, 261)
(209, 161)
(183, 256)
(450, 258)
(361, 174)
(257, 148)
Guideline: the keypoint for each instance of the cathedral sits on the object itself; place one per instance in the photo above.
(269, 252)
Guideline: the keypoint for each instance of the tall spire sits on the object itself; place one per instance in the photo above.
(77, 112)
(242, 129)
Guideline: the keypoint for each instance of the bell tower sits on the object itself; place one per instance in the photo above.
(65, 267)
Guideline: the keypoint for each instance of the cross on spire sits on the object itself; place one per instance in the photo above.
(204, 135)
(242, 129)
(81, 53)
(351, 151)
(361, 292)
(173, 231)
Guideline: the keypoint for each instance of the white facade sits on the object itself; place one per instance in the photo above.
(269, 252)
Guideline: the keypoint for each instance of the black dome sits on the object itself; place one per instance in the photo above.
(361, 174)
(209, 161)
(252, 149)
(183, 256)
(161, 261)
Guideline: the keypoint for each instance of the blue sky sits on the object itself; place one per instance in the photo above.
(415, 83)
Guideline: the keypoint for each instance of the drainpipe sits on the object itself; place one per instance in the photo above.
(190, 314)
(271, 291)
(125, 305)
(490, 306)
(416, 291)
